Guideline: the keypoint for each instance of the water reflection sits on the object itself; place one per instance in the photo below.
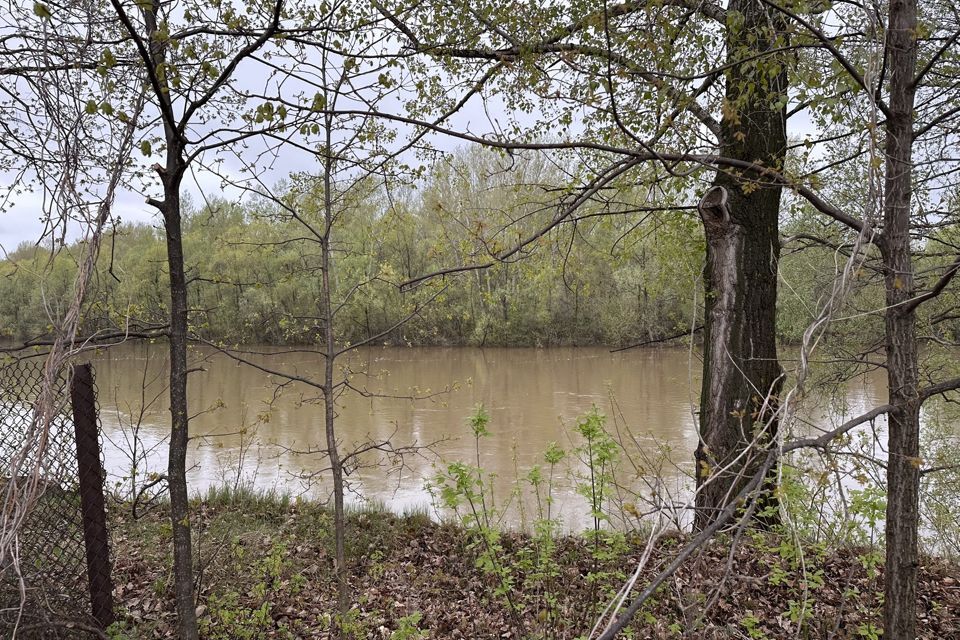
(259, 429)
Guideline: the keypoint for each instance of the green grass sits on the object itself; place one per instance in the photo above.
(253, 499)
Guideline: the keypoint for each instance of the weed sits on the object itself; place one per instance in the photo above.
(408, 628)
(231, 614)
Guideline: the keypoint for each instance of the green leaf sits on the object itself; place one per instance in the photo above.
(108, 58)
(319, 102)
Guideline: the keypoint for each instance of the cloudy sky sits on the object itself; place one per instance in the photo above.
(22, 220)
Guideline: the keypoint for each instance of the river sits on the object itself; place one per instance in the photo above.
(259, 430)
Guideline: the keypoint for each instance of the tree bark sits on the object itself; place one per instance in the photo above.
(336, 464)
(741, 371)
(179, 420)
(903, 465)
(171, 176)
(329, 396)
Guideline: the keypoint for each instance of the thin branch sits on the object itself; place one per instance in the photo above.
(645, 343)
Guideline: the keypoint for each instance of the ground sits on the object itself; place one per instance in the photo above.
(265, 571)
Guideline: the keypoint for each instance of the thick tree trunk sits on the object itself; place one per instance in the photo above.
(903, 465)
(741, 372)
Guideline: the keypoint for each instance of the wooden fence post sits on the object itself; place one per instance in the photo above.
(92, 504)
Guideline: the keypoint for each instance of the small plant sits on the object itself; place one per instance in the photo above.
(751, 624)
(799, 612)
(526, 578)
(231, 614)
(598, 454)
(463, 489)
(408, 628)
(348, 625)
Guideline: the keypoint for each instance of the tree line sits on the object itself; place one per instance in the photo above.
(618, 278)
(614, 278)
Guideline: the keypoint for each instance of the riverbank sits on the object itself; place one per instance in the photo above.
(265, 571)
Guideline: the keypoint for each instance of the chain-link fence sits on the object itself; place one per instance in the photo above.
(61, 551)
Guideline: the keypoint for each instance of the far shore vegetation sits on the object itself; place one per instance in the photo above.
(630, 277)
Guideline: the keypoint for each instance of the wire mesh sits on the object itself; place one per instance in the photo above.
(52, 556)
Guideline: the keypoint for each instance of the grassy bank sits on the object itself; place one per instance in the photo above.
(265, 571)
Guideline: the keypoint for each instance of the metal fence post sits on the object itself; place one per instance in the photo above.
(92, 504)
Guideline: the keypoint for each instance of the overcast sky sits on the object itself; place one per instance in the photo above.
(22, 221)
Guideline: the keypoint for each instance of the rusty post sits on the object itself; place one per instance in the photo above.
(92, 504)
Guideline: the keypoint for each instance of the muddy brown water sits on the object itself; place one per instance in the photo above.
(251, 429)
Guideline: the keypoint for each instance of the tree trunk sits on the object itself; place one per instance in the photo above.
(336, 464)
(171, 176)
(179, 420)
(741, 372)
(903, 465)
(330, 346)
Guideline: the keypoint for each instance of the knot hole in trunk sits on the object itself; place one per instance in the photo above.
(713, 208)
